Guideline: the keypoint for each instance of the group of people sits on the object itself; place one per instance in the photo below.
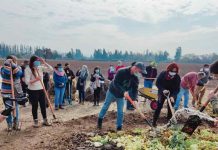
(125, 84)
(33, 78)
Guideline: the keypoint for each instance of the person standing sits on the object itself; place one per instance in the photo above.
(118, 90)
(96, 79)
(151, 75)
(111, 73)
(70, 77)
(168, 82)
(6, 89)
(119, 65)
(188, 82)
(82, 75)
(60, 80)
(23, 67)
(35, 88)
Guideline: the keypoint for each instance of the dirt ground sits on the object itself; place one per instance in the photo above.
(78, 122)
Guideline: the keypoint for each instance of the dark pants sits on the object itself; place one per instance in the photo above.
(161, 100)
(81, 96)
(97, 95)
(68, 91)
(37, 96)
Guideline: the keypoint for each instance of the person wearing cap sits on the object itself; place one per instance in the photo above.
(60, 80)
(70, 77)
(151, 75)
(119, 65)
(168, 82)
(118, 90)
(201, 88)
(131, 92)
(188, 82)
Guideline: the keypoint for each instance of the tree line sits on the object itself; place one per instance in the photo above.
(25, 51)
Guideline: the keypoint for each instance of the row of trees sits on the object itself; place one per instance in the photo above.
(25, 51)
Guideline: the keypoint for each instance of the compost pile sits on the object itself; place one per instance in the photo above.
(142, 139)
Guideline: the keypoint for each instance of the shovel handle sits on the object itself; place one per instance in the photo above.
(46, 94)
(167, 95)
(134, 105)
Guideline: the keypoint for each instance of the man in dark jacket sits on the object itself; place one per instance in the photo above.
(151, 75)
(118, 90)
(167, 82)
(70, 76)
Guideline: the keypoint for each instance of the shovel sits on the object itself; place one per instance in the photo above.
(139, 111)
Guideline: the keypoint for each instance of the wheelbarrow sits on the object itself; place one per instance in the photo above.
(151, 95)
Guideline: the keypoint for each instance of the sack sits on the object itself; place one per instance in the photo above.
(191, 124)
(214, 103)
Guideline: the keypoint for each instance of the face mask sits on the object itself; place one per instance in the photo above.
(172, 73)
(60, 69)
(111, 68)
(36, 63)
(206, 69)
(97, 71)
(137, 74)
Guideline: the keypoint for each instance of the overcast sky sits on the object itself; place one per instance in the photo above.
(112, 24)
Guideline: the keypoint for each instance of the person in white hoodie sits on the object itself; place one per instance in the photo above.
(35, 89)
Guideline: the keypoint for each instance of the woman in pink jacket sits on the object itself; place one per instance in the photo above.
(188, 82)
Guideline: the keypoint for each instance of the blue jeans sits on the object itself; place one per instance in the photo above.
(10, 117)
(148, 83)
(182, 92)
(120, 103)
(59, 96)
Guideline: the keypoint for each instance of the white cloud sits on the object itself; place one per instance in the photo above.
(51, 23)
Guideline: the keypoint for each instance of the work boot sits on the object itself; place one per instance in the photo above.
(9, 127)
(99, 123)
(119, 128)
(46, 123)
(61, 107)
(15, 124)
(36, 123)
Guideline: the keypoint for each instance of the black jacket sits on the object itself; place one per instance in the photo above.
(173, 85)
(93, 78)
(69, 73)
(151, 73)
(124, 81)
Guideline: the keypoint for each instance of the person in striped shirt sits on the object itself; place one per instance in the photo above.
(6, 89)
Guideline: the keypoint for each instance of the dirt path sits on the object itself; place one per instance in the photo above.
(29, 136)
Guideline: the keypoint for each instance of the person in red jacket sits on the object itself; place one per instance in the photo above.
(119, 66)
(188, 83)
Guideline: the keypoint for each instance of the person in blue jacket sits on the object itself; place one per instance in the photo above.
(60, 80)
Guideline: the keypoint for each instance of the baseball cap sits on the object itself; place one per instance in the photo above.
(141, 66)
